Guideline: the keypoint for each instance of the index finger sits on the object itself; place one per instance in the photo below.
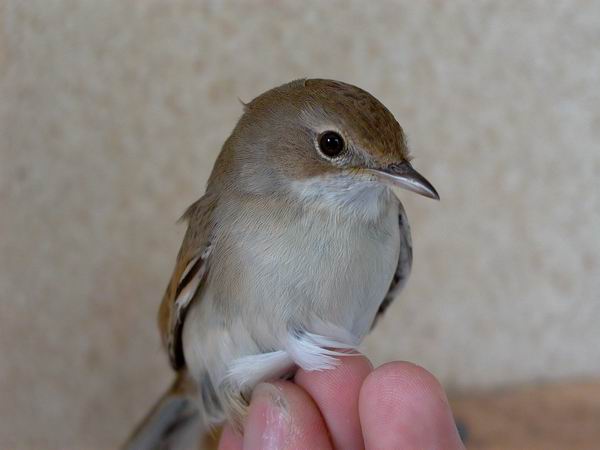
(335, 391)
(403, 407)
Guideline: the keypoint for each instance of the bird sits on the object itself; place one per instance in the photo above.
(296, 249)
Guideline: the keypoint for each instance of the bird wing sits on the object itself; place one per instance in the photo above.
(404, 264)
(188, 276)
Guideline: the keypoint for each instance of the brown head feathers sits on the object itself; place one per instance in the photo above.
(283, 130)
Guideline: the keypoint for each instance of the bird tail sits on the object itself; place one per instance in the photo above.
(173, 423)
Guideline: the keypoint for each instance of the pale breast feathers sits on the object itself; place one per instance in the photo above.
(404, 264)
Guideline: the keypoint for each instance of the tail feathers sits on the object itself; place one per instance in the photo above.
(172, 424)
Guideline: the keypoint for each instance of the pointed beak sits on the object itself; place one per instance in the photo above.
(404, 176)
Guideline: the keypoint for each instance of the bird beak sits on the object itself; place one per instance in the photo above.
(404, 176)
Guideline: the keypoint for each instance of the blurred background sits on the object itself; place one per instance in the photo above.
(112, 113)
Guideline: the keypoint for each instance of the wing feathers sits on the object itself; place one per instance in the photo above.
(188, 276)
(404, 265)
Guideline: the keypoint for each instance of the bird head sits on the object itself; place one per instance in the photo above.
(320, 133)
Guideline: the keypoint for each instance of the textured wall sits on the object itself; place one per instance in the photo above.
(112, 112)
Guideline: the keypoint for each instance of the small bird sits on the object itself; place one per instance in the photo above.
(292, 254)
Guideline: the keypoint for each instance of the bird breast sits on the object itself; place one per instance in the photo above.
(294, 264)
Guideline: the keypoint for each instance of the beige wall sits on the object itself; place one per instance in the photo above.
(112, 112)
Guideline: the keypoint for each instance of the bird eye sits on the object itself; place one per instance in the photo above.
(331, 144)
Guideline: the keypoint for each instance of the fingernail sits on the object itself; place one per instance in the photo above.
(268, 424)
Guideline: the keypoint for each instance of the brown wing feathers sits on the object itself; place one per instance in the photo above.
(187, 277)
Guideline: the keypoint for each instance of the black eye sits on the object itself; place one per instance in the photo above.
(331, 144)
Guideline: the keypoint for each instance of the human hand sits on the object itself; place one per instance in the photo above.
(398, 406)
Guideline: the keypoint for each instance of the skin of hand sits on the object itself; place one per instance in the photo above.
(398, 406)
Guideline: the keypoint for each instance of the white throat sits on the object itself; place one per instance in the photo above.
(345, 195)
